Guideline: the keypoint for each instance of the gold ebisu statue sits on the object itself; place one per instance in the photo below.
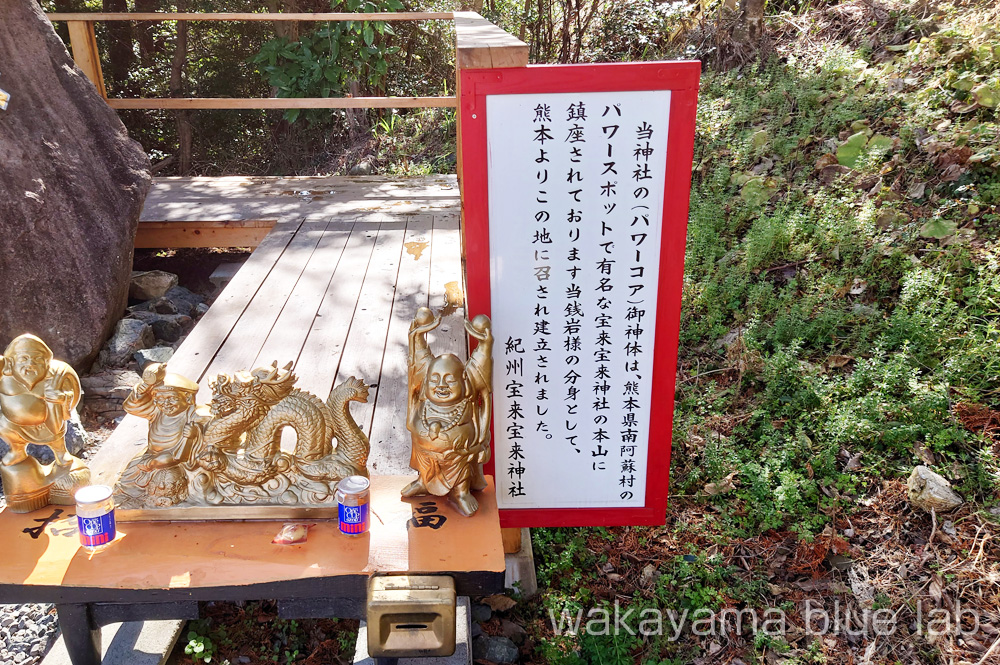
(224, 460)
(37, 396)
(448, 414)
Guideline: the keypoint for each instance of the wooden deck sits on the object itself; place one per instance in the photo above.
(332, 286)
(240, 211)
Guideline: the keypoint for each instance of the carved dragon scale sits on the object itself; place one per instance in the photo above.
(225, 460)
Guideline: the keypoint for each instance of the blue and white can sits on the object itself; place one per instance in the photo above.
(95, 516)
(353, 505)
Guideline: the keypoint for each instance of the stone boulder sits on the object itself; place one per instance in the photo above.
(131, 335)
(151, 284)
(73, 184)
(930, 491)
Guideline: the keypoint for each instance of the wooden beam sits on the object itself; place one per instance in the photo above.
(283, 103)
(255, 16)
(482, 45)
(243, 233)
(84, 43)
(511, 538)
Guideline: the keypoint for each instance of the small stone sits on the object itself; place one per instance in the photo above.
(494, 649)
(477, 630)
(157, 354)
(363, 167)
(649, 575)
(151, 284)
(201, 309)
(166, 327)
(481, 613)
(43, 454)
(243, 660)
(513, 631)
(184, 300)
(77, 438)
(158, 306)
(130, 336)
(930, 491)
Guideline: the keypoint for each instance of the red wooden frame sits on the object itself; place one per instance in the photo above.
(681, 78)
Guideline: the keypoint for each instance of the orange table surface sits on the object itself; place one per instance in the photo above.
(179, 556)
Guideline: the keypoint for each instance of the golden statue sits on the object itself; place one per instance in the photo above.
(448, 414)
(228, 453)
(37, 397)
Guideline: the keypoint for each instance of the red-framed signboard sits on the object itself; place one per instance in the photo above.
(576, 181)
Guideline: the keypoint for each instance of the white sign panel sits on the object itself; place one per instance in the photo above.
(576, 184)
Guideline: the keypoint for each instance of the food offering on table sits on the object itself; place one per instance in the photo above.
(448, 414)
(224, 460)
(293, 533)
(353, 505)
(37, 396)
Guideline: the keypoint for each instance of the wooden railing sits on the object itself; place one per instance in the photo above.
(479, 44)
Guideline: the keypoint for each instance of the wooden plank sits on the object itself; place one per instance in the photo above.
(328, 332)
(85, 54)
(390, 439)
(365, 346)
(198, 349)
(246, 338)
(239, 233)
(256, 16)
(284, 103)
(289, 333)
(447, 288)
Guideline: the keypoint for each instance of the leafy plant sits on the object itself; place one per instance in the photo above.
(326, 61)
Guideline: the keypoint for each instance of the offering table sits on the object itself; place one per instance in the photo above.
(162, 570)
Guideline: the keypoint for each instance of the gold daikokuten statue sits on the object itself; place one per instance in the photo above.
(448, 410)
(202, 460)
(37, 396)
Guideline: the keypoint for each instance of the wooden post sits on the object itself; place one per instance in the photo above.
(480, 45)
(84, 43)
(511, 540)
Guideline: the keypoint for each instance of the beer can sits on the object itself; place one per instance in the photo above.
(353, 505)
(95, 515)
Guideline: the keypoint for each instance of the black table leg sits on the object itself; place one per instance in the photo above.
(80, 634)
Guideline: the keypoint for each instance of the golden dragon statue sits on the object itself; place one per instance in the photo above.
(230, 453)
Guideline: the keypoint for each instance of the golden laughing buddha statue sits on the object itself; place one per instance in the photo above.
(448, 414)
(37, 397)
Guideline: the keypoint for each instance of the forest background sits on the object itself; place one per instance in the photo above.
(841, 312)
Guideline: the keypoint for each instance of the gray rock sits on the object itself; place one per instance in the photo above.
(481, 613)
(44, 455)
(77, 439)
(157, 354)
(515, 632)
(201, 309)
(929, 491)
(166, 327)
(74, 184)
(159, 306)
(151, 284)
(364, 167)
(494, 649)
(184, 300)
(130, 336)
